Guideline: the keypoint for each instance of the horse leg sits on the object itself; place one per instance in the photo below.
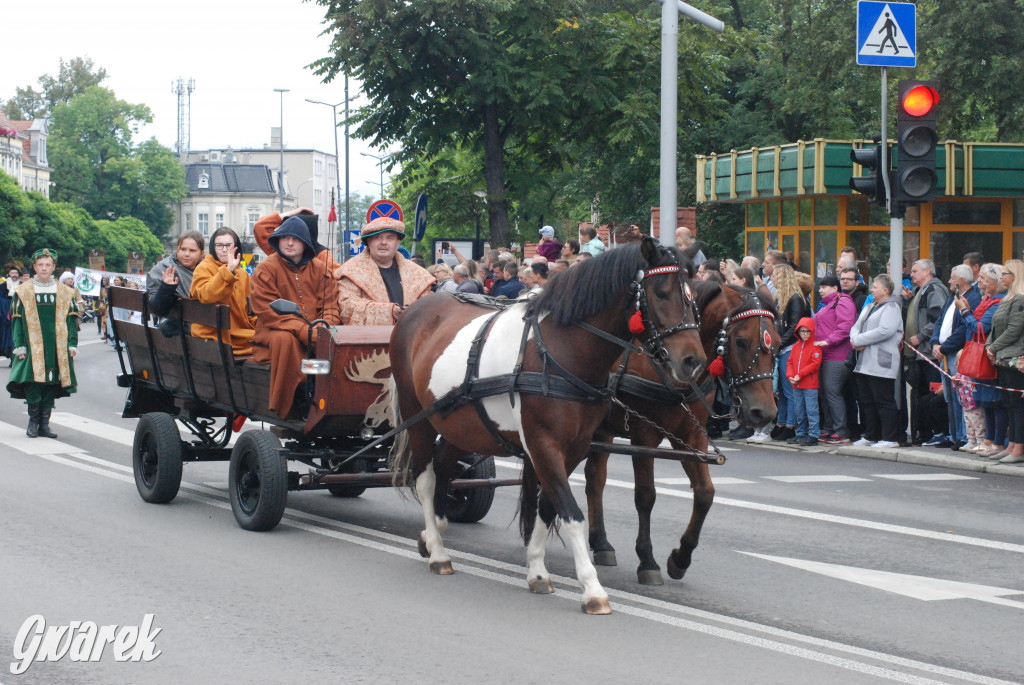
(644, 495)
(555, 488)
(537, 576)
(430, 538)
(703, 497)
(596, 471)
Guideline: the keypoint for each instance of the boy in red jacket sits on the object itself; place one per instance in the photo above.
(802, 372)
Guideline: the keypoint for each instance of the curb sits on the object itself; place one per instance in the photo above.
(905, 455)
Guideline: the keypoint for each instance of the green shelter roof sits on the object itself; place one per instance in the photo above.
(823, 167)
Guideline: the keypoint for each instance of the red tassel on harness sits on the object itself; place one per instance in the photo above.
(717, 367)
(636, 323)
(237, 424)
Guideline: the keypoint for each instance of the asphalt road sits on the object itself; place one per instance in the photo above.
(813, 568)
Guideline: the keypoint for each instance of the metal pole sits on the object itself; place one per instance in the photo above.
(345, 252)
(895, 213)
(697, 16)
(280, 168)
(669, 97)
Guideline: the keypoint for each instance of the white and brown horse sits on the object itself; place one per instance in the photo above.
(737, 326)
(530, 381)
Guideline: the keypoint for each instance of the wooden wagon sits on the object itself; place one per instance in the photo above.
(200, 384)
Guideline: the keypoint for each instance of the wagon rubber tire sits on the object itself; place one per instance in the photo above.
(258, 481)
(156, 458)
(469, 506)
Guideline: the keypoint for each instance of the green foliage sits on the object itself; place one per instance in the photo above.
(126, 234)
(31, 222)
(72, 78)
(97, 167)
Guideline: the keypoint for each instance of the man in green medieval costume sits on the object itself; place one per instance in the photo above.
(44, 317)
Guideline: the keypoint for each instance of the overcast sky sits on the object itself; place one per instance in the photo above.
(237, 51)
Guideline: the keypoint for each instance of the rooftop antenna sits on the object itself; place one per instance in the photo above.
(183, 89)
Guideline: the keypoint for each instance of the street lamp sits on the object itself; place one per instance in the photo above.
(337, 165)
(280, 171)
(380, 161)
(478, 247)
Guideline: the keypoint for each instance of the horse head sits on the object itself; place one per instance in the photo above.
(663, 315)
(747, 343)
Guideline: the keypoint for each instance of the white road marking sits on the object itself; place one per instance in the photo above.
(666, 444)
(923, 476)
(723, 480)
(818, 479)
(97, 429)
(14, 437)
(916, 587)
(512, 576)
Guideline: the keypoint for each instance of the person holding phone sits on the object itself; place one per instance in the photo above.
(221, 279)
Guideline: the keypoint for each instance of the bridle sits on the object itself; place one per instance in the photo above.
(654, 344)
(734, 381)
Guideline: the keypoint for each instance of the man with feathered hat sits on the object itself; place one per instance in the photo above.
(45, 321)
(376, 285)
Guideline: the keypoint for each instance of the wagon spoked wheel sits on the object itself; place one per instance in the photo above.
(469, 506)
(156, 458)
(258, 481)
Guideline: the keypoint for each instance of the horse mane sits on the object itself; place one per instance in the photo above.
(705, 291)
(588, 288)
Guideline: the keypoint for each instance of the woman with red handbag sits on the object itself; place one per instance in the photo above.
(1005, 347)
(977, 325)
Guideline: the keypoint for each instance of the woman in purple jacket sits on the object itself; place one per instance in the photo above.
(832, 325)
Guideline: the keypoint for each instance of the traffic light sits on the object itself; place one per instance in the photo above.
(873, 186)
(916, 138)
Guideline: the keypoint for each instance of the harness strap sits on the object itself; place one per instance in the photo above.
(664, 394)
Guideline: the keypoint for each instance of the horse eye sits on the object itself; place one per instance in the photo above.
(742, 344)
(661, 294)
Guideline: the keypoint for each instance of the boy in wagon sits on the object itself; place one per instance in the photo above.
(290, 273)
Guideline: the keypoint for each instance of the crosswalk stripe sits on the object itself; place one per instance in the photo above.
(923, 476)
(818, 479)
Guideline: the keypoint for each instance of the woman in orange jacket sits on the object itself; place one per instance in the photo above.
(802, 372)
(221, 279)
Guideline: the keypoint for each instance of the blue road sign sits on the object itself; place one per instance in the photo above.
(886, 34)
(355, 246)
(421, 218)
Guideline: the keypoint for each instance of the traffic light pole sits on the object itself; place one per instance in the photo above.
(895, 222)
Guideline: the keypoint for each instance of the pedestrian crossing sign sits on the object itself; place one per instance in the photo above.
(886, 34)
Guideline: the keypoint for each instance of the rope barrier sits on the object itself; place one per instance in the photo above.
(953, 379)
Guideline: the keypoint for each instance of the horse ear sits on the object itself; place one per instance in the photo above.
(693, 249)
(649, 250)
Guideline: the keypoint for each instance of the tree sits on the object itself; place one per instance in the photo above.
(72, 78)
(96, 166)
(127, 234)
(485, 72)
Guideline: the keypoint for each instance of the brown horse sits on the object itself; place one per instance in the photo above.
(530, 381)
(740, 327)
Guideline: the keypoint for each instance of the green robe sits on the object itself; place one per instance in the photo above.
(45, 329)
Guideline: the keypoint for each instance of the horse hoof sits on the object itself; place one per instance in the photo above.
(674, 572)
(541, 586)
(441, 568)
(597, 606)
(650, 577)
(605, 557)
(422, 545)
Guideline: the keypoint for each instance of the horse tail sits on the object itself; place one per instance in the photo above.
(401, 456)
(528, 501)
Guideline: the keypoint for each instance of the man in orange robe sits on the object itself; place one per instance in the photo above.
(377, 284)
(292, 272)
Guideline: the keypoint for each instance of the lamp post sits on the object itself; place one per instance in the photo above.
(478, 247)
(380, 161)
(337, 165)
(280, 171)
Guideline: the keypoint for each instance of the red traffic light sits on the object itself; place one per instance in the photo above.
(919, 101)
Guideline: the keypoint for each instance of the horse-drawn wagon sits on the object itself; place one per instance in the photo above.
(200, 385)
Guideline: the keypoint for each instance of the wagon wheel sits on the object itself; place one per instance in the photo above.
(156, 458)
(258, 480)
(469, 506)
